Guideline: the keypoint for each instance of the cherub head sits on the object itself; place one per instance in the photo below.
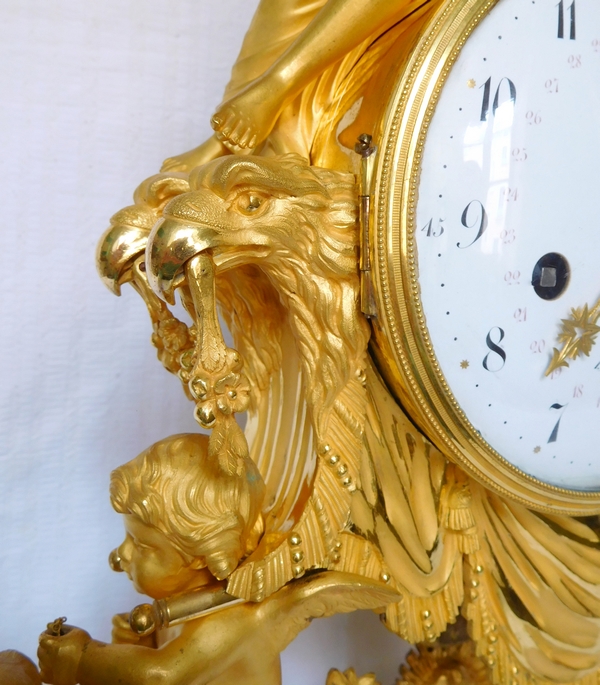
(187, 521)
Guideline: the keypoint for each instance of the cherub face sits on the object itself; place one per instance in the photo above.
(155, 567)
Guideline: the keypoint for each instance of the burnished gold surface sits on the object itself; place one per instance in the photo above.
(331, 499)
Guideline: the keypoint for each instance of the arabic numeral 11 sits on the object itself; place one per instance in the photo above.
(561, 19)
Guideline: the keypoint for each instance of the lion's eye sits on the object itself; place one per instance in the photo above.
(253, 203)
(250, 203)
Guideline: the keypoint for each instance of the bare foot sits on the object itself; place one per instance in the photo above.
(209, 150)
(246, 119)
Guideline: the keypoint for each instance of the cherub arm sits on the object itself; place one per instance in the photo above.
(204, 649)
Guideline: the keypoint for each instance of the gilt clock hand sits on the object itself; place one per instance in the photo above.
(577, 334)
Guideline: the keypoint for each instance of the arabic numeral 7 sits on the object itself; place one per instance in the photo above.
(554, 435)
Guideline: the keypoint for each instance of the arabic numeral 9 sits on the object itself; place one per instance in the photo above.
(470, 219)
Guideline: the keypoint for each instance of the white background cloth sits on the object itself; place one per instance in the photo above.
(94, 95)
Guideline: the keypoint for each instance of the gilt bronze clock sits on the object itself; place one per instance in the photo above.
(486, 245)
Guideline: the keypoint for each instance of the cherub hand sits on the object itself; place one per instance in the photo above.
(123, 635)
(59, 656)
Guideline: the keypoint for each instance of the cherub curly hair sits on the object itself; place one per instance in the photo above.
(176, 487)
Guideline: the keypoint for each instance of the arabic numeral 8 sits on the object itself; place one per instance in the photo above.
(494, 347)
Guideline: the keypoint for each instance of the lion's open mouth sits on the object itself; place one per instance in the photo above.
(172, 243)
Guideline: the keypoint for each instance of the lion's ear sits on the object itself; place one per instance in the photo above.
(157, 190)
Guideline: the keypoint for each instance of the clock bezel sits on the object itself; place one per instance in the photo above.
(401, 342)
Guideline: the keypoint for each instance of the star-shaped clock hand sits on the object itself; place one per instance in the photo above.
(577, 335)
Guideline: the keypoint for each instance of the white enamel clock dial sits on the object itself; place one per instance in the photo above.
(507, 233)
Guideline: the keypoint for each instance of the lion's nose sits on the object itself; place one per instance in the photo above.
(171, 244)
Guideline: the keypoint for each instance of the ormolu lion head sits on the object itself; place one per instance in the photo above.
(255, 209)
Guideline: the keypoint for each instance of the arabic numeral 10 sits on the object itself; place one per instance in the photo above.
(507, 92)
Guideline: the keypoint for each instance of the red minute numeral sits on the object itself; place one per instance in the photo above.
(521, 315)
(537, 346)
